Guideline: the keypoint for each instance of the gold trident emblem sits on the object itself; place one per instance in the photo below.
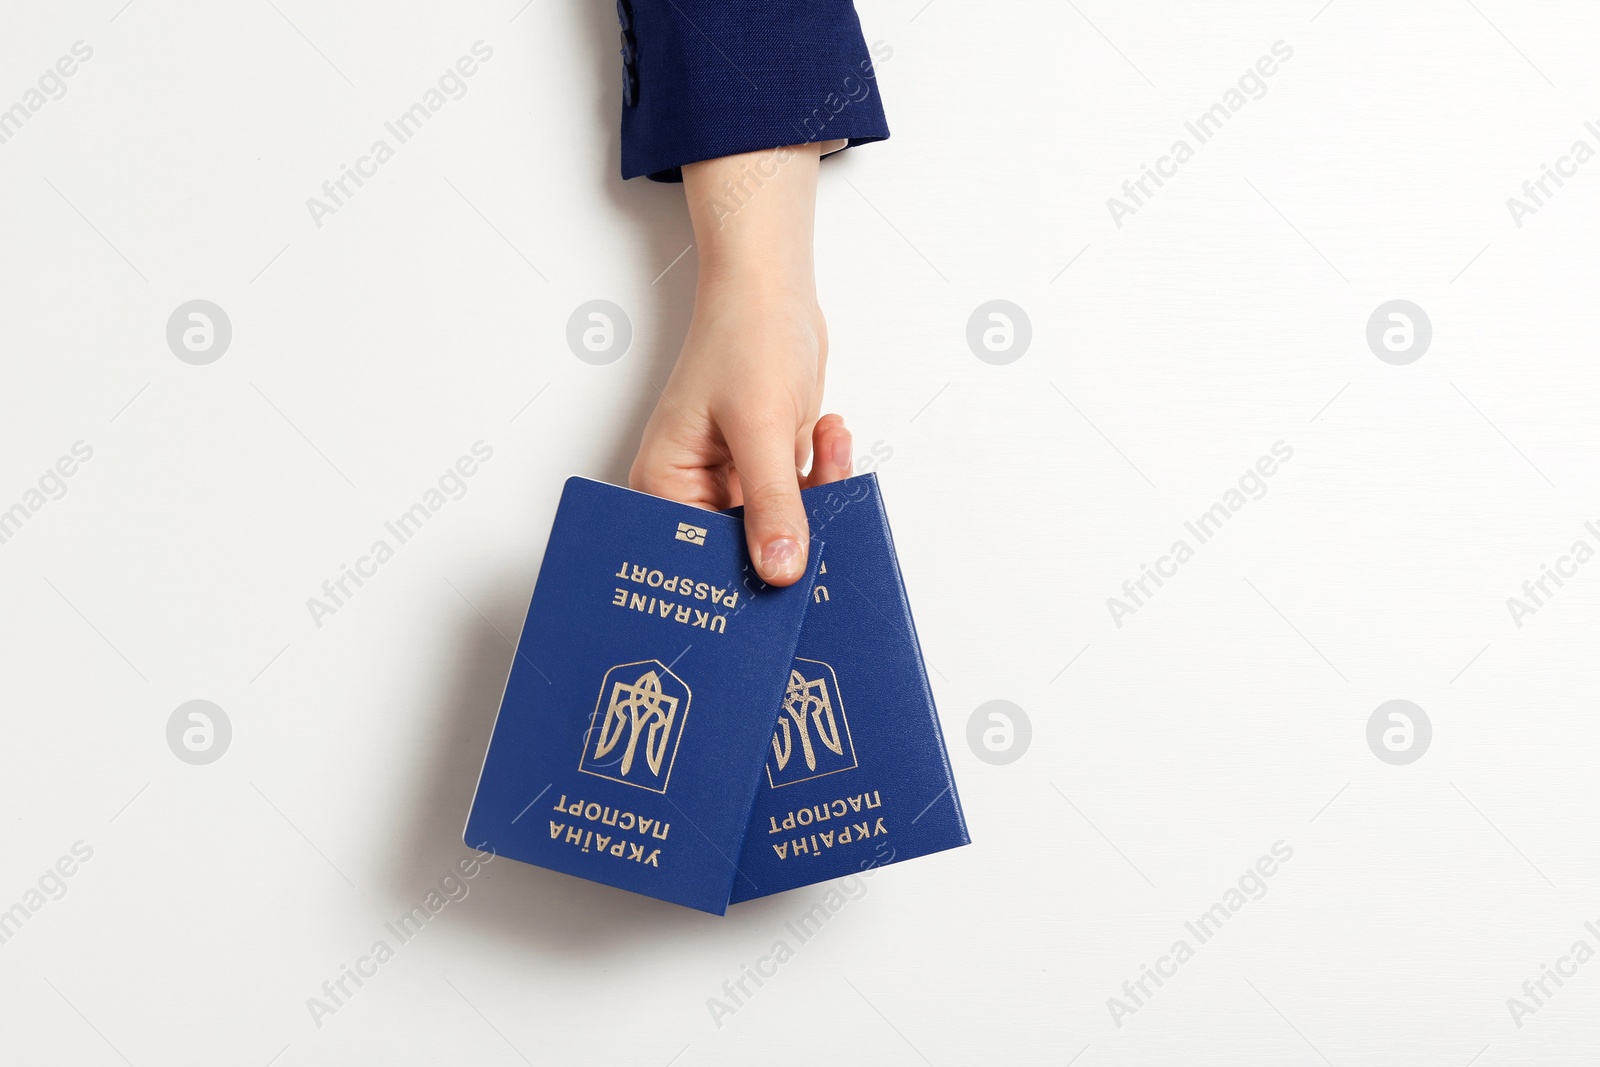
(806, 704)
(636, 707)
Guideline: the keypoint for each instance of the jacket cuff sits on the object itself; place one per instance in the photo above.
(704, 79)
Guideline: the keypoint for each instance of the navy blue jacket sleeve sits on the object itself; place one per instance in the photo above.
(710, 78)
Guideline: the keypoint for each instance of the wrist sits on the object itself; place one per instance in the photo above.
(753, 219)
(754, 282)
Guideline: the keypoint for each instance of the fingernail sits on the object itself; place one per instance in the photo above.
(841, 452)
(782, 558)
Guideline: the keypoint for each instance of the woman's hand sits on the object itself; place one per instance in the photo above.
(739, 414)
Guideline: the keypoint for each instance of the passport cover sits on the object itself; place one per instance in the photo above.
(639, 706)
(856, 774)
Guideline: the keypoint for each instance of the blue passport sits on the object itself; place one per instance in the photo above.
(855, 772)
(639, 708)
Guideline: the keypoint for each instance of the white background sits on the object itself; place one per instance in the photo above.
(1168, 354)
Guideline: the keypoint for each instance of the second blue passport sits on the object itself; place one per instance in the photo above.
(856, 774)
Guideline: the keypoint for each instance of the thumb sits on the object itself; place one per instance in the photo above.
(774, 519)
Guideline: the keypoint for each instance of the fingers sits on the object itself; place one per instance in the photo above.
(679, 464)
(703, 487)
(774, 521)
(830, 451)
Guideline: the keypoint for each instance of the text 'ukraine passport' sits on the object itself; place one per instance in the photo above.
(633, 728)
(855, 772)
